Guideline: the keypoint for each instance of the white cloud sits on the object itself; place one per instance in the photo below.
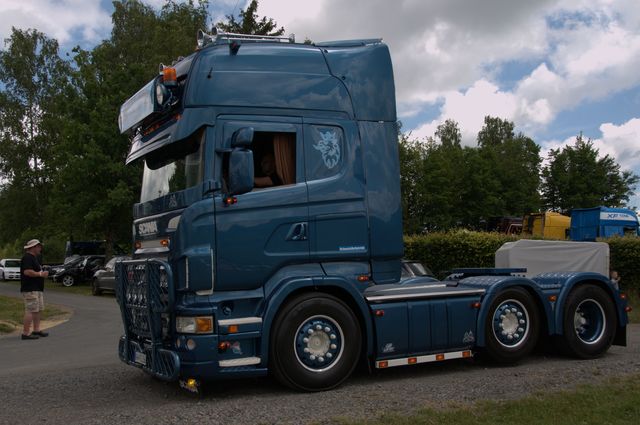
(58, 19)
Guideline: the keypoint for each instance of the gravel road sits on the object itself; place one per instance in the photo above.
(109, 392)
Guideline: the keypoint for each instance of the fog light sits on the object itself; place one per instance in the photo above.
(191, 344)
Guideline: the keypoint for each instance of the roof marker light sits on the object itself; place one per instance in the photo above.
(169, 76)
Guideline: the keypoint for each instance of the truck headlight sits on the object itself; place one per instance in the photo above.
(194, 325)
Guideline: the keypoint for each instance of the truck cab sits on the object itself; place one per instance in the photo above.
(268, 236)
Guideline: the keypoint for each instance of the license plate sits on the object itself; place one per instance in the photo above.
(140, 358)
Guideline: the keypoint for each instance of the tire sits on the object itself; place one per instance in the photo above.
(512, 326)
(68, 280)
(95, 288)
(315, 343)
(588, 322)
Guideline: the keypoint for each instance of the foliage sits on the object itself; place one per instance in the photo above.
(35, 82)
(576, 178)
(249, 23)
(446, 185)
(624, 253)
(444, 251)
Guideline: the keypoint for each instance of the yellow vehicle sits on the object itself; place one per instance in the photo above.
(547, 225)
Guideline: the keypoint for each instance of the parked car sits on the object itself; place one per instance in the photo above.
(414, 272)
(104, 278)
(78, 269)
(9, 269)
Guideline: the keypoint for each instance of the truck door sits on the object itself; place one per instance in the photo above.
(336, 183)
(267, 228)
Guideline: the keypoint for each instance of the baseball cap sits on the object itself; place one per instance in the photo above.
(32, 243)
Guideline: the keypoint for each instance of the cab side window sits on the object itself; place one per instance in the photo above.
(274, 159)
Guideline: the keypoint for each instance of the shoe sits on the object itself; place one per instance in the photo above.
(30, 336)
(41, 334)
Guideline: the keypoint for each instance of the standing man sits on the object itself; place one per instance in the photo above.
(32, 289)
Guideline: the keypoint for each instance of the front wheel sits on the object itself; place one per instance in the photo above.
(68, 280)
(512, 326)
(315, 343)
(589, 322)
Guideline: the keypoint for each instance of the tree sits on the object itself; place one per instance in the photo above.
(576, 177)
(34, 83)
(93, 177)
(514, 160)
(249, 23)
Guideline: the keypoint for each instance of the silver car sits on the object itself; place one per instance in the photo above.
(9, 269)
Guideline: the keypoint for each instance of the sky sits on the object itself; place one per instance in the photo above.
(553, 67)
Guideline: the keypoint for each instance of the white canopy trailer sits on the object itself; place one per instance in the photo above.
(539, 256)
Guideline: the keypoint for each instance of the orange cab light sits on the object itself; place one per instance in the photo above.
(476, 304)
(383, 364)
(169, 76)
(412, 360)
(232, 329)
(164, 243)
(466, 354)
(553, 298)
(363, 278)
(439, 357)
(628, 309)
(204, 324)
(623, 296)
(379, 313)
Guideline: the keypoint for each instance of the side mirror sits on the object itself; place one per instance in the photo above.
(242, 138)
(240, 171)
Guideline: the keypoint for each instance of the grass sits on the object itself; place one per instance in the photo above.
(12, 313)
(50, 285)
(614, 402)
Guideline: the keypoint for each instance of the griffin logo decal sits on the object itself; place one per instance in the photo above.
(388, 348)
(468, 337)
(329, 146)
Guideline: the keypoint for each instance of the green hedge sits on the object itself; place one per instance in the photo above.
(442, 252)
(625, 258)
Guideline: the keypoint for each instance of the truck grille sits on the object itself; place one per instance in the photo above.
(144, 292)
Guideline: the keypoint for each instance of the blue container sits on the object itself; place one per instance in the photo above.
(587, 224)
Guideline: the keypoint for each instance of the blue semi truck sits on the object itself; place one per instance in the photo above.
(268, 236)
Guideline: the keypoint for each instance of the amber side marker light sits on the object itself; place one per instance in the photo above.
(439, 357)
(165, 243)
(553, 298)
(466, 354)
(204, 324)
(623, 296)
(379, 313)
(232, 329)
(224, 346)
(476, 304)
(383, 364)
(628, 309)
(363, 278)
(412, 360)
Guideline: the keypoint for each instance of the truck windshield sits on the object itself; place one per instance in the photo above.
(174, 169)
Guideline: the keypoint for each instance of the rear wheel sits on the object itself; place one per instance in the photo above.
(68, 280)
(589, 322)
(512, 326)
(315, 343)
